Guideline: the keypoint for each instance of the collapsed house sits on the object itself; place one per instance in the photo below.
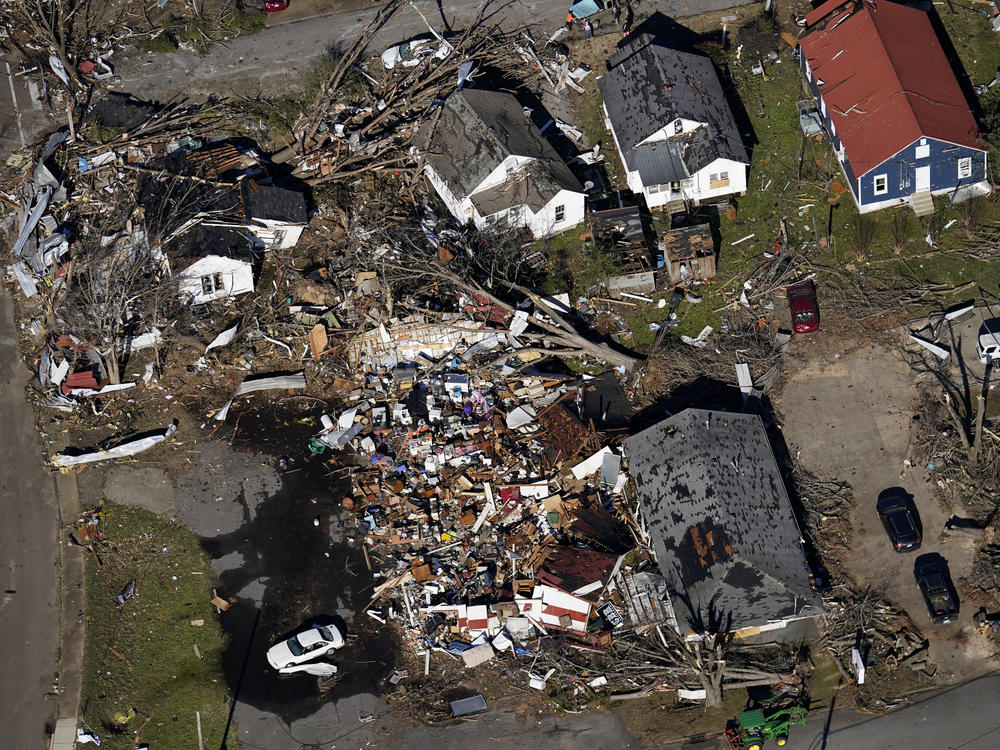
(719, 519)
(491, 166)
(894, 112)
(673, 127)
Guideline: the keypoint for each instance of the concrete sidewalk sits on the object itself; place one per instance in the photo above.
(73, 627)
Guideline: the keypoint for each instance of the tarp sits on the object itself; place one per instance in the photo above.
(263, 383)
(584, 8)
(119, 451)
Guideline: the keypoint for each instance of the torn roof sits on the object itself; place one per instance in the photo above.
(651, 85)
(268, 202)
(478, 130)
(573, 568)
(721, 523)
(692, 241)
(886, 82)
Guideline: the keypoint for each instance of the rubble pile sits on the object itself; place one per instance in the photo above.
(490, 513)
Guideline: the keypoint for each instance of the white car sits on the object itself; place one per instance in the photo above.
(310, 644)
(412, 53)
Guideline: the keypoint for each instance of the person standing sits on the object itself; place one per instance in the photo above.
(588, 29)
(616, 12)
(569, 19)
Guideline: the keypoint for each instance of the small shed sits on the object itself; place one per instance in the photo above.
(689, 253)
(619, 231)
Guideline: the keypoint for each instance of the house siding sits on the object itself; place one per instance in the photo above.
(236, 275)
(900, 169)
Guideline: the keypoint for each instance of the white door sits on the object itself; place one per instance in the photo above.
(923, 179)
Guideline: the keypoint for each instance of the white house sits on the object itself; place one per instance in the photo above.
(212, 262)
(215, 277)
(673, 128)
(492, 166)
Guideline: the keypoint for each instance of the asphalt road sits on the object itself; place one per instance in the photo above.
(29, 604)
(274, 59)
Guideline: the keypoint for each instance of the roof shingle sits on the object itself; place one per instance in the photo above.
(886, 82)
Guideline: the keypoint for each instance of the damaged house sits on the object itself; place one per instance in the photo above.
(673, 127)
(491, 166)
(891, 105)
(719, 519)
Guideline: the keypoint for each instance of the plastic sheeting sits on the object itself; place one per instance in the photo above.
(265, 383)
(119, 451)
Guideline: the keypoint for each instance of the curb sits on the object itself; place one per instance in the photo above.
(72, 627)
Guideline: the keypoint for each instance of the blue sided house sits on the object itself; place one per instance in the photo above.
(892, 107)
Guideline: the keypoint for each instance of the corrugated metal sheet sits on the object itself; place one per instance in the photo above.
(886, 82)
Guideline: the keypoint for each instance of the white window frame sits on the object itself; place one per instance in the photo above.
(922, 151)
(560, 214)
(212, 283)
(885, 184)
(678, 127)
(965, 167)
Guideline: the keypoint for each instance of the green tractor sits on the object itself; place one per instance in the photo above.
(753, 728)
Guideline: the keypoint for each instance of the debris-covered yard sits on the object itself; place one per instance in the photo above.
(569, 435)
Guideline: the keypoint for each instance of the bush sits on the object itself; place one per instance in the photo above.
(247, 20)
(161, 44)
(863, 234)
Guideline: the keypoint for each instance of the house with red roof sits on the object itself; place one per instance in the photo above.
(893, 109)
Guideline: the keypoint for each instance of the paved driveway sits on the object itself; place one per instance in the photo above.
(849, 418)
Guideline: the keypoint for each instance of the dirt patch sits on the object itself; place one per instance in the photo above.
(849, 418)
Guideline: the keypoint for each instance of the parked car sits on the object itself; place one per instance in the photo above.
(899, 520)
(804, 306)
(322, 640)
(988, 343)
(273, 6)
(411, 53)
(934, 582)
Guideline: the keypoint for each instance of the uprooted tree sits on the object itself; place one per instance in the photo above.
(489, 270)
(67, 29)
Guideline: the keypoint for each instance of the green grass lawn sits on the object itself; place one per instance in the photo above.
(140, 655)
(796, 177)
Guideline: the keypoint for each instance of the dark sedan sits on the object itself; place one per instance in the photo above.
(934, 582)
(899, 520)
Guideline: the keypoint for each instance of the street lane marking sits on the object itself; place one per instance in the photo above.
(17, 110)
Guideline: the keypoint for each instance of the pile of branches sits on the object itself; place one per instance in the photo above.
(866, 620)
(765, 281)
(870, 293)
(673, 363)
(376, 134)
(826, 505)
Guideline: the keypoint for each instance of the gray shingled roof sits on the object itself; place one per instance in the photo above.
(275, 203)
(477, 131)
(721, 522)
(649, 86)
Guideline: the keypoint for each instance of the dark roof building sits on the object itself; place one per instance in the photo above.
(720, 522)
(270, 203)
(477, 133)
(649, 86)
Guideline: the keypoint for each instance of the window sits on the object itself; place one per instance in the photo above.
(653, 189)
(881, 184)
(720, 179)
(279, 237)
(923, 151)
(211, 283)
(678, 127)
(965, 167)
(560, 214)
